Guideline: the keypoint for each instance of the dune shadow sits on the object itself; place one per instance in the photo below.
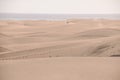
(99, 33)
(2, 49)
(115, 56)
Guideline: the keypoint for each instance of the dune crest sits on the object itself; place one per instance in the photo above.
(3, 49)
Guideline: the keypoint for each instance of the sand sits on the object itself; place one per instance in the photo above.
(60, 50)
(83, 68)
(68, 38)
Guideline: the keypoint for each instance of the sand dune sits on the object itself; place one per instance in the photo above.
(3, 35)
(34, 39)
(60, 50)
(103, 48)
(105, 32)
(3, 49)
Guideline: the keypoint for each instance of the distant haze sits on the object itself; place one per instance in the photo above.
(16, 16)
(61, 6)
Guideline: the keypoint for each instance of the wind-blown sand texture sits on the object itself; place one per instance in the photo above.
(61, 69)
(60, 50)
(68, 38)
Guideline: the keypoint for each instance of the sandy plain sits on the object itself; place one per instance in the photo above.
(84, 68)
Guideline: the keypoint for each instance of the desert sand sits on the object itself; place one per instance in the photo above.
(84, 68)
(67, 38)
(60, 50)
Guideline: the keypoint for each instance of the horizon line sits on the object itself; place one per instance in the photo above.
(68, 13)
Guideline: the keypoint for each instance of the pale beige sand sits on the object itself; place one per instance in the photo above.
(77, 50)
(61, 69)
(69, 38)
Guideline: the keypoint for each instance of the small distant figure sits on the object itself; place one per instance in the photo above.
(67, 22)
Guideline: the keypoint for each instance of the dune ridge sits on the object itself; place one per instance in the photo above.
(60, 50)
(2, 49)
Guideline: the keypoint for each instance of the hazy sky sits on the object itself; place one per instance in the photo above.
(61, 6)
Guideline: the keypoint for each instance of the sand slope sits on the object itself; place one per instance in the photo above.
(70, 38)
(60, 50)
